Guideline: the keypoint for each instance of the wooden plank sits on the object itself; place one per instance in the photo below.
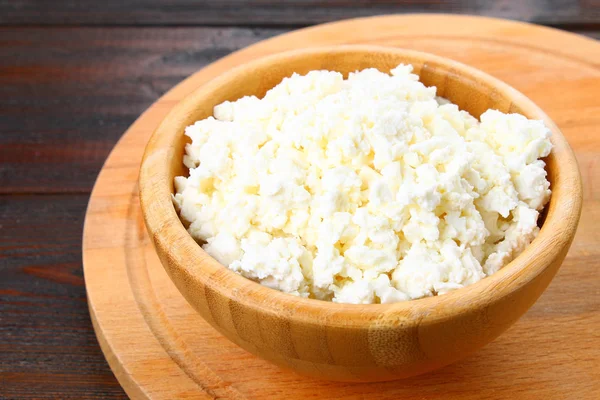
(67, 95)
(279, 13)
(47, 345)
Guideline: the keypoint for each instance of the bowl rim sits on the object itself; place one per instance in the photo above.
(200, 271)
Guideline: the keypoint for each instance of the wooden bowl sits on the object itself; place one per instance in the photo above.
(344, 341)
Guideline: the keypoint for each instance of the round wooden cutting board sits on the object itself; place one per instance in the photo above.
(159, 348)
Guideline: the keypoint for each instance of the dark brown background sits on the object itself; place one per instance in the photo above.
(73, 76)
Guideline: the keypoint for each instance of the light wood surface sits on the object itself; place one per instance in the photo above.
(149, 332)
(344, 341)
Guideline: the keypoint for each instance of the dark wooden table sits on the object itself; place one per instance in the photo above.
(73, 76)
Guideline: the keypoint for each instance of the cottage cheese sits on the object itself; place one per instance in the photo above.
(365, 190)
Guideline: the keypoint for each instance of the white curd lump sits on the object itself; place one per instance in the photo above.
(364, 190)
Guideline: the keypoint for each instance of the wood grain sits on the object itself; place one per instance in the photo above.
(529, 360)
(67, 96)
(47, 345)
(282, 13)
